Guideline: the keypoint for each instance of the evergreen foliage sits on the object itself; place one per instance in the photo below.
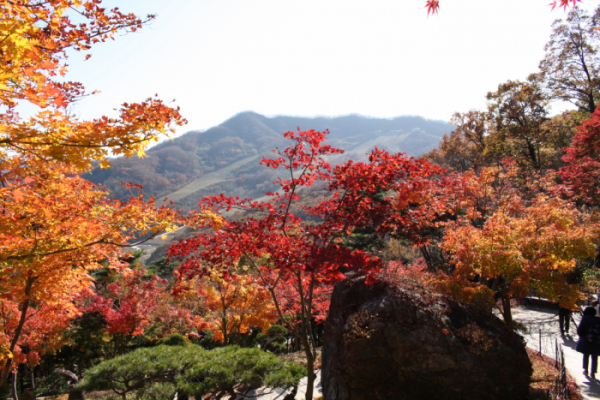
(162, 371)
(232, 370)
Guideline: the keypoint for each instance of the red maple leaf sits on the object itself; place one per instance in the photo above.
(564, 3)
(432, 6)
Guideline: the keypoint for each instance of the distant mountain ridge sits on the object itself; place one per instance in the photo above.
(225, 158)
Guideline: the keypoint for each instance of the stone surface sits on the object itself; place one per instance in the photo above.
(398, 340)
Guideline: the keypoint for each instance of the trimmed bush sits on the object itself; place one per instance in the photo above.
(232, 370)
(162, 371)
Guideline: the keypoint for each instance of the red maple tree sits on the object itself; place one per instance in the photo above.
(298, 262)
(582, 172)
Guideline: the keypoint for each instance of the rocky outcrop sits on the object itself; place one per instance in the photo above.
(398, 340)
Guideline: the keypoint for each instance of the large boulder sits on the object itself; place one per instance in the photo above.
(398, 340)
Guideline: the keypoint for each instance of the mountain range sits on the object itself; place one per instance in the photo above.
(226, 158)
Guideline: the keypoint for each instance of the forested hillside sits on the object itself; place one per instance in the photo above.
(226, 158)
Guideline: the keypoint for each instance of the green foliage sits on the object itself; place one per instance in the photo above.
(86, 342)
(160, 372)
(174, 340)
(591, 279)
(230, 367)
(161, 269)
(163, 390)
(142, 368)
(208, 342)
(52, 384)
(274, 339)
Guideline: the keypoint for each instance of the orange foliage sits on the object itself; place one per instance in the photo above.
(55, 227)
(236, 305)
(513, 242)
(35, 38)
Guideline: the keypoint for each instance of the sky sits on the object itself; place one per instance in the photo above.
(379, 58)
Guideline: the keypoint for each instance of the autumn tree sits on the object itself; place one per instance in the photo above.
(299, 262)
(35, 40)
(582, 170)
(509, 239)
(127, 307)
(518, 110)
(235, 305)
(570, 69)
(180, 313)
(516, 125)
(55, 227)
(465, 147)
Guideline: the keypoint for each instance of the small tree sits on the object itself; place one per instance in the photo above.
(140, 370)
(232, 371)
(162, 371)
(236, 305)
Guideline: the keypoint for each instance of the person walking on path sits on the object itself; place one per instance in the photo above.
(589, 340)
(564, 317)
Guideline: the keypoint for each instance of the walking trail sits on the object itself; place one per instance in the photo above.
(543, 330)
(280, 394)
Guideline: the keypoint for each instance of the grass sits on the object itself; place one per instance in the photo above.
(206, 180)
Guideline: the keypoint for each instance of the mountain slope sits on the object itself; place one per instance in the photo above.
(225, 159)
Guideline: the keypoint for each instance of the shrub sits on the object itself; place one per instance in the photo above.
(174, 340)
(232, 370)
(162, 371)
(139, 370)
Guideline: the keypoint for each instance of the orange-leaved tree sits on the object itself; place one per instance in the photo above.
(55, 227)
(235, 305)
(34, 39)
(511, 240)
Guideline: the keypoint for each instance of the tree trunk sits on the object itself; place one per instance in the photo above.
(591, 103)
(17, 334)
(225, 335)
(310, 367)
(31, 369)
(14, 386)
(534, 160)
(506, 312)
(310, 383)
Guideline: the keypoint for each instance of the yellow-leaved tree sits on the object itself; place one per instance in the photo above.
(55, 227)
(235, 305)
(507, 240)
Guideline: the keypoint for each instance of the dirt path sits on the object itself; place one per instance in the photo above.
(544, 331)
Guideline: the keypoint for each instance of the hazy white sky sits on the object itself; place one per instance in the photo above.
(380, 58)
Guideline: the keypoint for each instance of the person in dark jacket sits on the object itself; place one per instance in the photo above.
(588, 342)
(564, 317)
